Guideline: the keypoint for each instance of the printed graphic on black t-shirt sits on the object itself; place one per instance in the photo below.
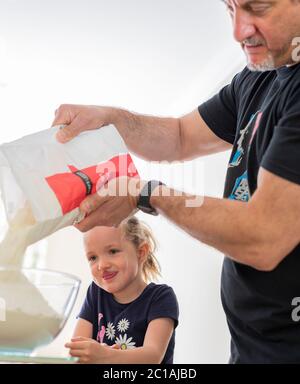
(237, 168)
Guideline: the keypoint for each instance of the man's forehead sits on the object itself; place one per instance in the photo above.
(242, 2)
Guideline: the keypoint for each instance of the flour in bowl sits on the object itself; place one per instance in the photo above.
(30, 321)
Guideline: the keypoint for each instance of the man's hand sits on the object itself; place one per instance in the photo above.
(89, 351)
(79, 118)
(115, 201)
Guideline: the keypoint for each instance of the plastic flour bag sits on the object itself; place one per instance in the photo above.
(43, 182)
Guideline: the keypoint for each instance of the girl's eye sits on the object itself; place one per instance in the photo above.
(92, 259)
(113, 251)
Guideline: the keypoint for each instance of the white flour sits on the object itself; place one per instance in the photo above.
(24, 231)
(30, 321)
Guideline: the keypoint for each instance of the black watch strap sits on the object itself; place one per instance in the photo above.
(144, 198)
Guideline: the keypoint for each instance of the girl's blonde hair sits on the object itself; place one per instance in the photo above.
(138, 233)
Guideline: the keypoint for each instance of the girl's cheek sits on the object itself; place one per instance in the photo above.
(94, 270)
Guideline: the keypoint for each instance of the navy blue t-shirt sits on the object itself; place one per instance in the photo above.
(259, 114)
(126, 324)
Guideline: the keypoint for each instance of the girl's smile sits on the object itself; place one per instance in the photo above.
(109, 275)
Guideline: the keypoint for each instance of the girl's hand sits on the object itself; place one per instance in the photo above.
(88, 350)
(115, 346)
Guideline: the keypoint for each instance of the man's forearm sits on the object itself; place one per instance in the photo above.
(152, 138)
(229, 226)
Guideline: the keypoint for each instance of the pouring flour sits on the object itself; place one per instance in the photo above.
(42, 184)
(29, 319)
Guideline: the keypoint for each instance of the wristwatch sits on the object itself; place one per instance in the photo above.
(144, 198)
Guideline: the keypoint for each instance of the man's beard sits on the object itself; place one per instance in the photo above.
(271, 62)
(266, 65)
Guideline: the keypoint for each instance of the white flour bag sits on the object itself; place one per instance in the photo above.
(43, 182)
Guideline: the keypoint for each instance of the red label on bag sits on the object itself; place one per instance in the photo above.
(71, 188)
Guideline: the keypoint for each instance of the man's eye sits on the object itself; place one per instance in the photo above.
(259, 9)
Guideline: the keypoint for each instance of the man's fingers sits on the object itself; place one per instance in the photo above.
(77, 118)
(90, 222)
(91, 203)
(89, 210)
(68, 132)
(109, 206)
(63, 115)
(67, 116)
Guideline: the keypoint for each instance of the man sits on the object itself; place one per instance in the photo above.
(257, 224)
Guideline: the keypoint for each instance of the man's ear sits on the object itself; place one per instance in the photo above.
(143, 252)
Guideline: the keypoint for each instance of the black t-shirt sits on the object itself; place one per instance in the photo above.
(259, 113)
(126, 324)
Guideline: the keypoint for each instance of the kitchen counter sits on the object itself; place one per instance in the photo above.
(29, 359)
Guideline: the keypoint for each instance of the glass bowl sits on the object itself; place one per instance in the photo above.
(34, 307)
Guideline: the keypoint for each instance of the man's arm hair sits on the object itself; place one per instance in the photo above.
(168, 139)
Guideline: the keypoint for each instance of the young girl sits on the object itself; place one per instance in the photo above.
(125, 319)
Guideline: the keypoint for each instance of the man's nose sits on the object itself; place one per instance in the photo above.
(243, 26)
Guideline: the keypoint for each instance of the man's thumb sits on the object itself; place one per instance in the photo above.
(67, 132)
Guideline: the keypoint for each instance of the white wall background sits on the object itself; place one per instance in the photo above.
(156, 57)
